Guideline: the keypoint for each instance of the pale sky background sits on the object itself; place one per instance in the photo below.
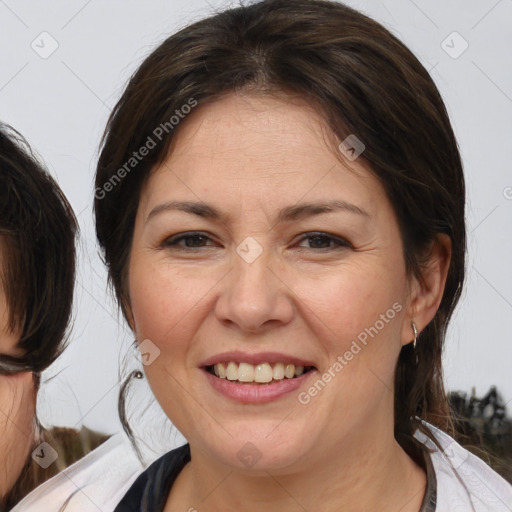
(60, 104)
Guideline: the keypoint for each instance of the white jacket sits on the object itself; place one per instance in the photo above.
(465, 483)
(97, 482)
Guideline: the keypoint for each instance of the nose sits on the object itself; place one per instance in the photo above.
(254, 297)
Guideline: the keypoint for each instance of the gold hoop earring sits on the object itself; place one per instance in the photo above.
(415, 331)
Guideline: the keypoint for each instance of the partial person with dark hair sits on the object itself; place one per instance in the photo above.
(280, 202)
(37, 275)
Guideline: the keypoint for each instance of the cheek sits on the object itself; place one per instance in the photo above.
(357, 317)
(165, 301)
(8, 339)
(351, 301)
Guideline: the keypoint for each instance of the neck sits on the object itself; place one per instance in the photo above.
(17, 412)
(356, 475)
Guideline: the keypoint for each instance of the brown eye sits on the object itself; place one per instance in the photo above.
(325, 241)
(194, 240)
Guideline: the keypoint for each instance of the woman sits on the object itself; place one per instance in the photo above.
(37, 273)
(280, 204)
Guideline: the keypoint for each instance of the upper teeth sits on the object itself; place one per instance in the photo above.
(264, 372)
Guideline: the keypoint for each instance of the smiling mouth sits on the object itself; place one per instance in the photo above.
(264, 373)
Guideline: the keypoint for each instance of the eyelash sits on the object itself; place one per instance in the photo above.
(341, 243)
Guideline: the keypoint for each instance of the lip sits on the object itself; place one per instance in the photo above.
(259, 358)
(256, 393)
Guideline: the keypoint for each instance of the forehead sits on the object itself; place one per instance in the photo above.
(250, 147)
(252, 129)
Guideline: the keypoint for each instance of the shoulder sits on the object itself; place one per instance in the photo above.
(99, 479)
(151, 488)
(465, 483)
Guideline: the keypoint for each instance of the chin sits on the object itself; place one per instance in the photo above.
(253, 452)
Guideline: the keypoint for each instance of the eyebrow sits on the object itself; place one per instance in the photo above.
(287, 214)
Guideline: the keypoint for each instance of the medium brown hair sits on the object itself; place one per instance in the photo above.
(362, 80)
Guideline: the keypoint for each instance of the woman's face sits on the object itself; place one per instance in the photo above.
(17, 405)
(268, 281)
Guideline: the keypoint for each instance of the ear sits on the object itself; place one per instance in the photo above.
(427, 292)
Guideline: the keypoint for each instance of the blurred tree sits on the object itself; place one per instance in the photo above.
(484, 429)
